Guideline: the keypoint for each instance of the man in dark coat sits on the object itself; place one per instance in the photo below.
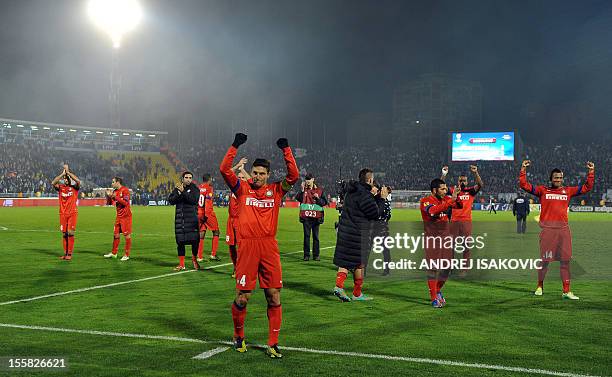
(520, 209)
(361, 207)
(185, 197)
(312, 200)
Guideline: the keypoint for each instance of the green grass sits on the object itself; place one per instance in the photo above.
(489, 321)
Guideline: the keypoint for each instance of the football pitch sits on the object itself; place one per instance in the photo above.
(140, 318)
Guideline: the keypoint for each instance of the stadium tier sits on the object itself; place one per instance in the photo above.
(28, 165)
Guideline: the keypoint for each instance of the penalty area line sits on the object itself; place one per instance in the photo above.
(205, 355)
(126, 282)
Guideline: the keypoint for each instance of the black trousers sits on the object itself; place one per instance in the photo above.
(521, 223)
(311, 226)
(180, 248)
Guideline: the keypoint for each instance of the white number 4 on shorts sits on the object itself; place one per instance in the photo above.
(242, 280)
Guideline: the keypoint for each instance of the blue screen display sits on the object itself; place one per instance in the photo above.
(482, 146)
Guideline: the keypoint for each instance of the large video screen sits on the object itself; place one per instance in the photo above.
(482, 146)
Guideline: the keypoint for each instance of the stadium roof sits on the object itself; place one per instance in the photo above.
(17, 122)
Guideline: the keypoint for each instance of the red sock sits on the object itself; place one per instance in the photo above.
(433, 288)
(440, 284)
(70, 244)
(357, 287)
(201, 248)
(182, 260)
(215, 246)
(275, 317)
(238, 315)
(564, 269)
(340, 278)
(128, 246)
(65, 243)
(232, 252)
(116, 245)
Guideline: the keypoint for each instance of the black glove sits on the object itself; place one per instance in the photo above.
(239, 139)
(282, 143)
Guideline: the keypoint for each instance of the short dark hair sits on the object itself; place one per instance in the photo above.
(185, 173)
(363, 173)
(555, 170)
(206, 177)
(436, 183)
(118, 179)
(263, 163)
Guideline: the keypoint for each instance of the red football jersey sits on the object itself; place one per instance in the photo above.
(68, 197)
(122, 202)
(555, 201)
(258, 208)
(206, 198)
(434, 209)
(466, 196)
(233, 206)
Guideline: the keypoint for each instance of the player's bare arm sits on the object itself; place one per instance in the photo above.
(455, 193)
(240, 165)
(590, 166)
(444, 172)
(525, 165)
(477, 178)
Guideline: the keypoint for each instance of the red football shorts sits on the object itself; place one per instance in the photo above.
(461, 228)
(123, 225)
(211, 222)
(258, 258)
(68, 222)
(556, 244)
(230, 232)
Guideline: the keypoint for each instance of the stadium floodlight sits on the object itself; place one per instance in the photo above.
(115, 17)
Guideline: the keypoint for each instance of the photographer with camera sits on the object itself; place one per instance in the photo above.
(312, 200)
(381, 225)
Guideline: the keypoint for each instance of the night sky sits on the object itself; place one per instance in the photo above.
(291, 62)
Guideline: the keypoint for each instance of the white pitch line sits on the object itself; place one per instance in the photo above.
(211, 353)
(127, 282)
(79, 232)
(3, 228)
(419, 360)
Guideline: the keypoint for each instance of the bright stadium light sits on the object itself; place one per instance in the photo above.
(115, 17)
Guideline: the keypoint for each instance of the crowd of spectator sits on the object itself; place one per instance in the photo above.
(30, 167)
(412, 170)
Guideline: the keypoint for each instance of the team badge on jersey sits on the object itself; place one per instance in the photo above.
(269, 193)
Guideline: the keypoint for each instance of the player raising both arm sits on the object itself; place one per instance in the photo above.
(120, 197)
(230, 232)
(259, 257)
(555, 236)
(461, 218)
(67, 184)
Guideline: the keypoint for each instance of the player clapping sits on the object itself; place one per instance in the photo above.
(120, 197)
(67, 184)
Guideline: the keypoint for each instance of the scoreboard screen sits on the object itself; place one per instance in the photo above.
(482, 146)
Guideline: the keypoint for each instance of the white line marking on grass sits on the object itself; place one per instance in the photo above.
(126, 282)
(81, 232)
(3, 228)
(212, 352)
(418, 360)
